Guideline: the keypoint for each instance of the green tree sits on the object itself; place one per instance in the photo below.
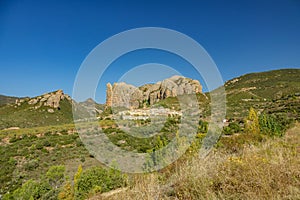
(269, 125)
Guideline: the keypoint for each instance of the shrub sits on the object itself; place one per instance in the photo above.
(48, 133)
(55, 175)
(67, 192)
(232, 128)
(29, 190)
(39, 145)
(46, 143)
(31, 165)
(203, 127)
(13, 139)
(95, 179)
(269, 125)
(12, 161)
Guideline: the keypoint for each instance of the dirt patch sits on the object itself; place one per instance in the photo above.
(5, 140)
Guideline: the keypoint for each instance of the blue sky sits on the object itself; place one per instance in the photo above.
(43, 43)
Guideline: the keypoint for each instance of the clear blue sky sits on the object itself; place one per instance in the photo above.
(43, 43)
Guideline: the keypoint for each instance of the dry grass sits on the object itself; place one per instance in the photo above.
(270, 170)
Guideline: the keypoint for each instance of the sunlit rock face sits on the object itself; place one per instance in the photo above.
(129, 96)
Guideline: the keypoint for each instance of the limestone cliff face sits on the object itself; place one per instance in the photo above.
(129, 96)
(109, 95)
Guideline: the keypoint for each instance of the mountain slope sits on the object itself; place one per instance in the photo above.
(269, 85)
(263, 91)
(48, 109)
(6, 99)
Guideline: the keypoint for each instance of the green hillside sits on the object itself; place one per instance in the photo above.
(265, 91)
(48, 109)
(265, 85)
(26, 115)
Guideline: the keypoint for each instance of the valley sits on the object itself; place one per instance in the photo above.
(45, 155)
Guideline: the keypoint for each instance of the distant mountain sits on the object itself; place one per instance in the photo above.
(6, 99)
(91, 106)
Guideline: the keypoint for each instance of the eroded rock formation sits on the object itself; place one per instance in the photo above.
(51, 100)
(129, 96)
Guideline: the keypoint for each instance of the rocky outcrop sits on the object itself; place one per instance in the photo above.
(54, 99)
(51, 100)
(109, 94)
(129, 96)
(123, 94)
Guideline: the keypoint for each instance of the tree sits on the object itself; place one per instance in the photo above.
(269, 125)
(252, 122)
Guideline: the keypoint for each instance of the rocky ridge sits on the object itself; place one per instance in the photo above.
(51, 100)
(129, 96)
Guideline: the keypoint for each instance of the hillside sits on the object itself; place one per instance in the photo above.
(48, 109)
(6, 100)
(48, 158)
(275, 91)
(267, 170)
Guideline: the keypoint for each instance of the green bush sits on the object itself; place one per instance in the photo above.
(31, 165)
(203, 127)
(55, 175)
(99, 179)
(39, 145)
(269, 125)
(13, 139)
(232, 128)
(12, 161)
(46, 143)
(29, 190)
(227, 130)
(46, 189)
